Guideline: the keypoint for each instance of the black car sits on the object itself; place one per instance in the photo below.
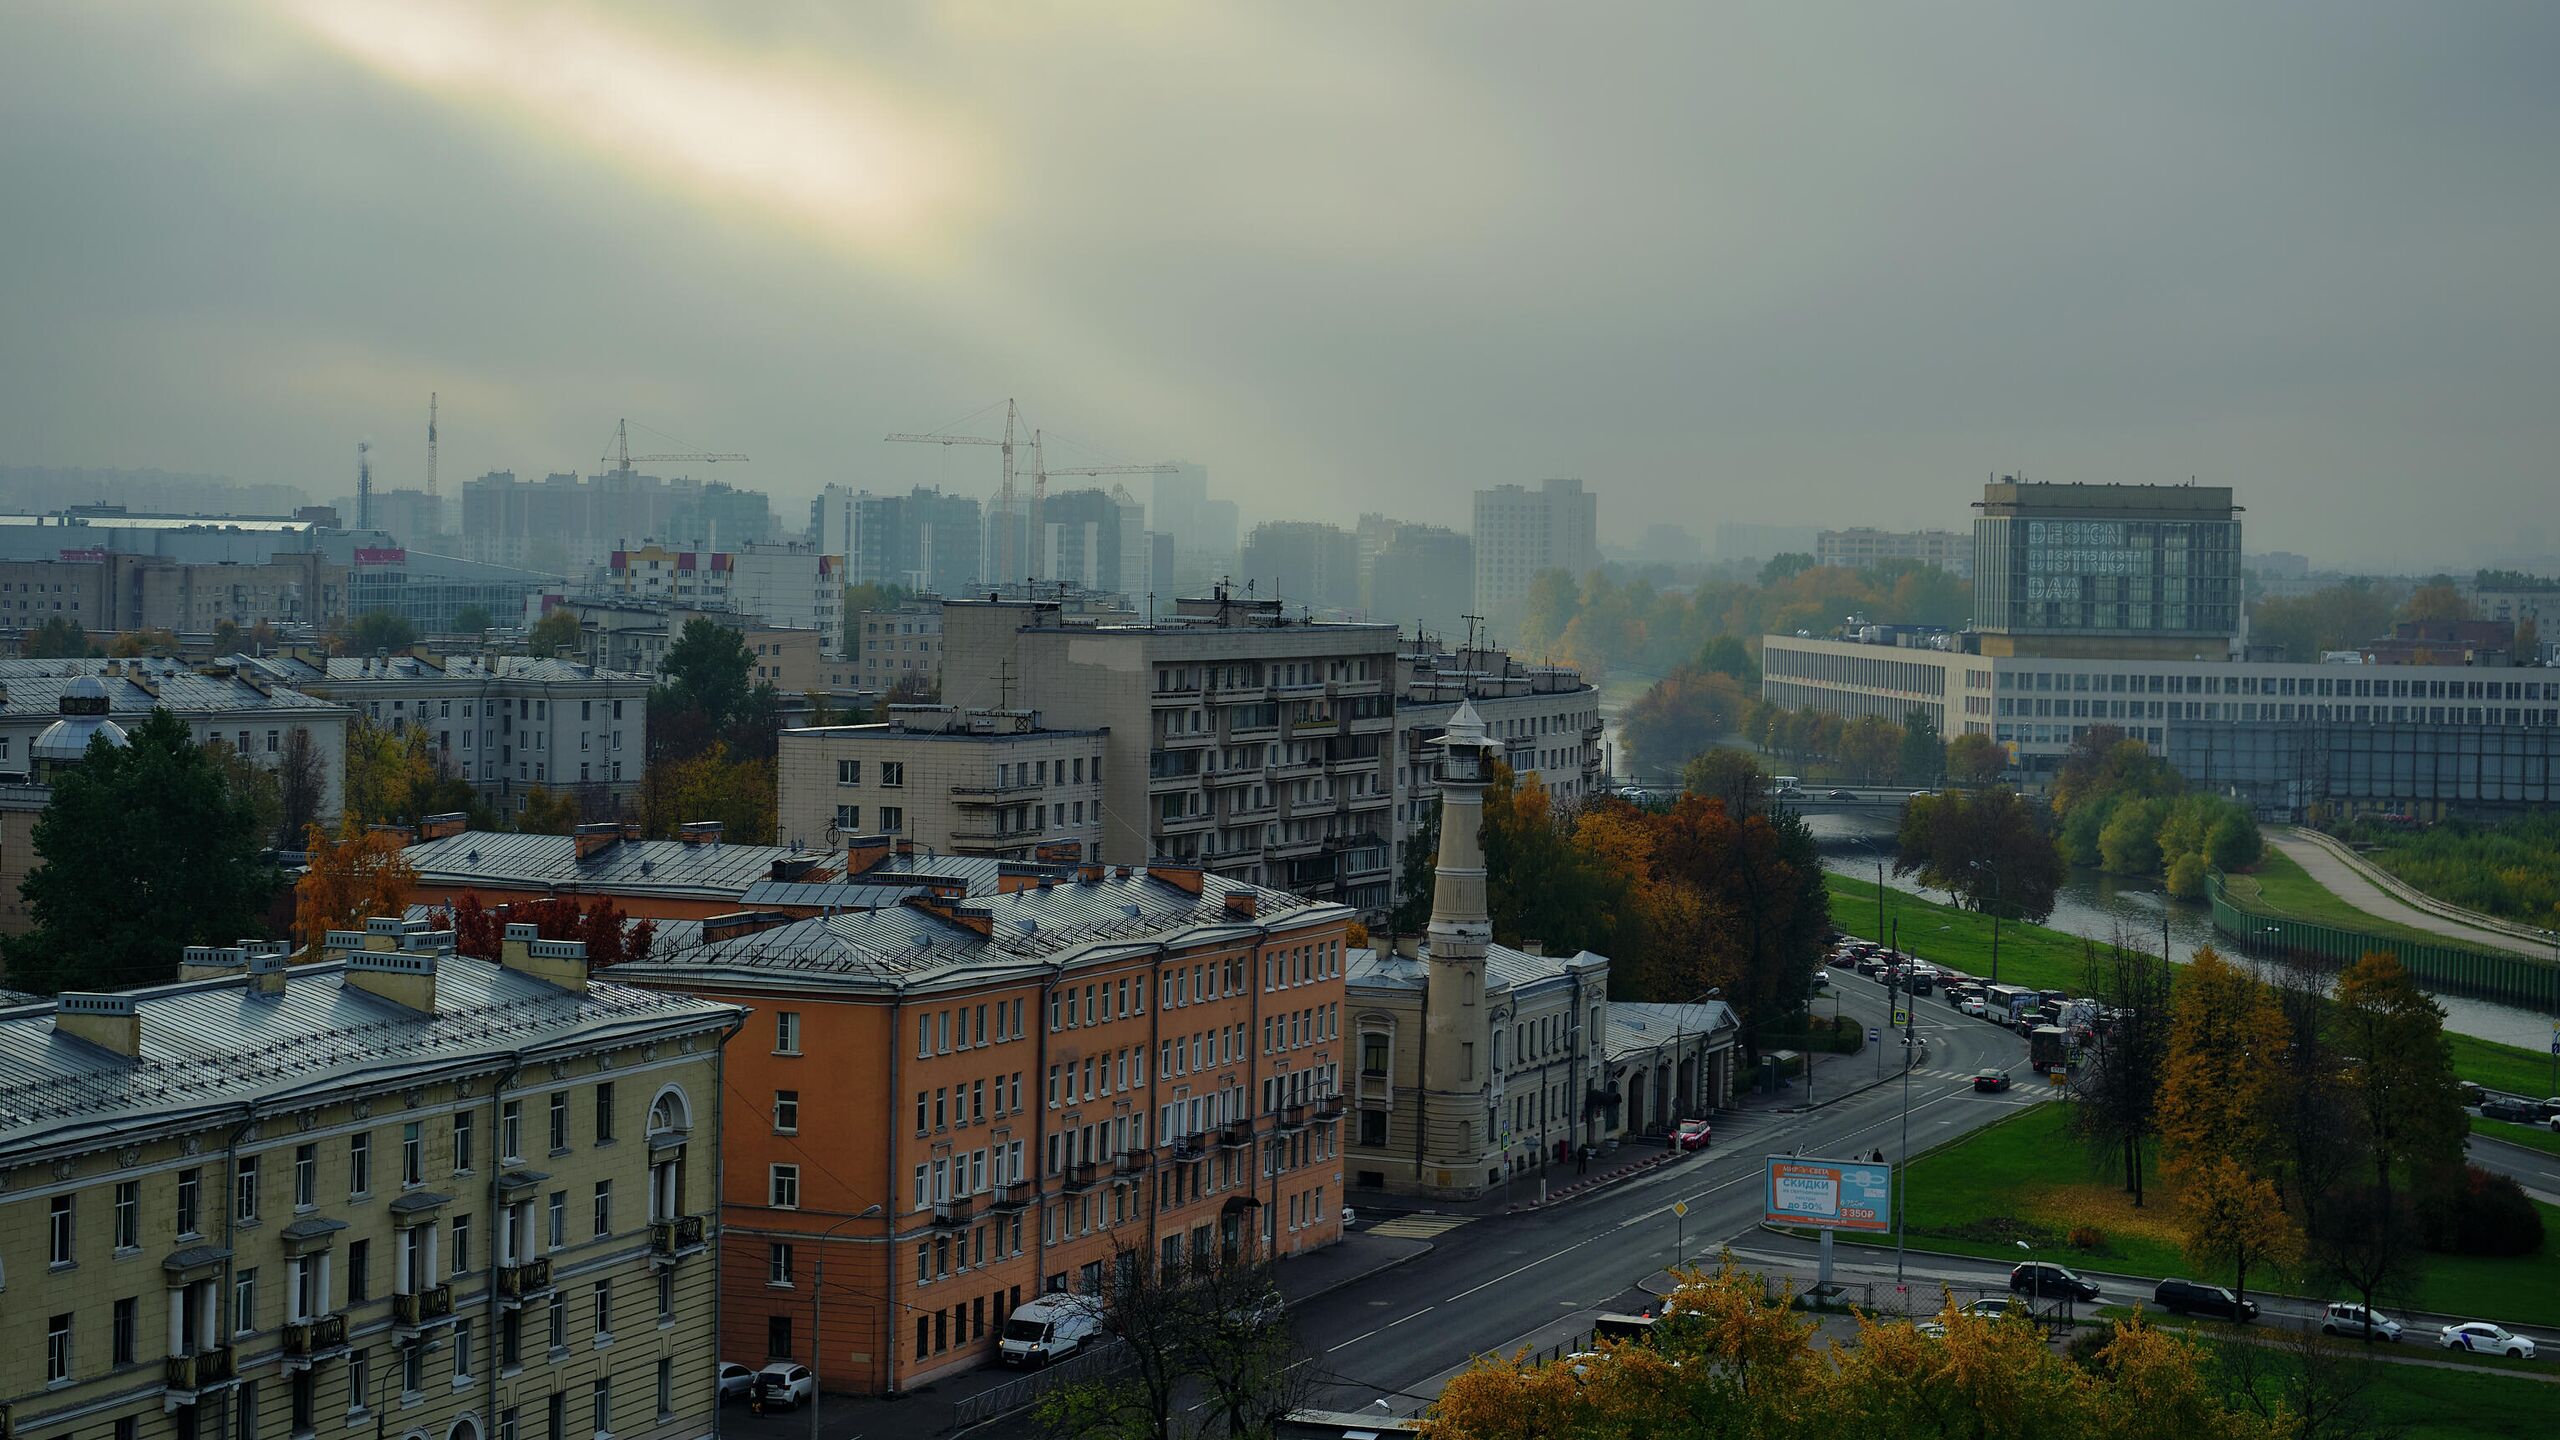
(2186, 1297)
(2502, 1107)
(2050, 1281)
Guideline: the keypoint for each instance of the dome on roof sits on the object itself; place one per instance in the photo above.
(83, 706)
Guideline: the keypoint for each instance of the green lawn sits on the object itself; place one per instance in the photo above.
(2281, 887)
(2051, 959)
(2531, 1137)
(2026, 1179)
(2429, 1402)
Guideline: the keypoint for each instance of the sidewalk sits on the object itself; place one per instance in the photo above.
(2366, 887)
(1635, 1155)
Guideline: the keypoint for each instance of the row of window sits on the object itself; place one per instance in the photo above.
(948, 1107)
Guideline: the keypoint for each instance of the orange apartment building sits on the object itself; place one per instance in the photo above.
(945, 1107)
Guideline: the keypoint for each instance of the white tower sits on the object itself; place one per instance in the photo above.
(1459, 1154)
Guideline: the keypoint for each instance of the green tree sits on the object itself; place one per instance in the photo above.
(706, 669)
(1728, 655)
(376, 631)
(1975, 760)
(143, 850)
(556, 633)
(1923, 752)
(2232, 1221)
(1730, 775)
(1992, 851)
(1417, 868)
(549, 812)
(226, 637)
(2218, 1096)
(2438, 600)
(59, 638)
(2336, 618)
(2408, 1100)
(473, 620)
(1786, 565)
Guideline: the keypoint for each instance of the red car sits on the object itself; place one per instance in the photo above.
(1692, 1135)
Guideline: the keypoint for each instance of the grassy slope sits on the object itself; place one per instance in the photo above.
(2285, 888)
(2531, 1137)
(2024, 1178)
(2052, 960)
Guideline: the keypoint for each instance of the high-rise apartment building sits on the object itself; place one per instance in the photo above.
(568, 523)
(1520, 531)
(791, 586)
(962, 782)
(396, 1189)
(1304, 564)
(2106, 571)
(922, 541)
(1242, 738)
(1424, 576)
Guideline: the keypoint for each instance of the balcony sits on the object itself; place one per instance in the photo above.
(320, 1339)
(1351, 765)
(1186, 824)
(1165, 772)
(1285, 848)
(1329, 1107)
(421, 1308)
(1289, 769)
(1190, 1147)
(956, 1213)
(1129, 1162)
(1083, 1175)
(672, 1239)
(1591, 734)
(192, 1375)
(1011, 1195)
(528, 1281)
(1238, 1136)
(1293, 1117)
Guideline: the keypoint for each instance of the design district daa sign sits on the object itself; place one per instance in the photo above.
(1829, 1194)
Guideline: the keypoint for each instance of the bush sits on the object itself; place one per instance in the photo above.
(2090, 1340)
(2088, 1237)
(2484, 1214)
(2187, 875)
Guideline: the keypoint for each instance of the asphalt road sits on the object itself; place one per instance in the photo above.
(1501, 1283)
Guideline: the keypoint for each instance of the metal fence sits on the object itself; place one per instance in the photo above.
(2449, 969)
(1108, 1358)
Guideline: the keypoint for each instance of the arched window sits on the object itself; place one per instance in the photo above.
(669, 1114)
(670, 1118)
(465, 1428)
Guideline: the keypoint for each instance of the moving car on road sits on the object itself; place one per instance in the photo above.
(1972, 1005)
(2042, 1280)
(2482, 1338)
(2350, 1319)
(2186, 1297)
(1990, 1079)
(2507, 1107)
(1692, 1135)
(1838, 795)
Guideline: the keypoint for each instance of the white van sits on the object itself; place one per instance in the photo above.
(1052, 1327)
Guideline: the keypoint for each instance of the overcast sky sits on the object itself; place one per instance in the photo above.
(1795, 263)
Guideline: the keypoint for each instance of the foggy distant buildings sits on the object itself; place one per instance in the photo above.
(1424, 575)
(1203, 530)
(1520, 531)
(1860, 547)
(792, 587)
(1304, 564)
(923, 541)
(1740, 541)
(570, 524)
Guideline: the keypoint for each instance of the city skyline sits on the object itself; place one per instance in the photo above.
(1767, 266)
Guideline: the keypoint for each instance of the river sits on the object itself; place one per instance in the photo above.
(2096, 905)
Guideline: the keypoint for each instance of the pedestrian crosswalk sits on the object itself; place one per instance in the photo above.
(1419, 1227)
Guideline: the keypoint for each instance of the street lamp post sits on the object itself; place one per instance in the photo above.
(1901, 1192)
(2033, 1285)
(817, 1318)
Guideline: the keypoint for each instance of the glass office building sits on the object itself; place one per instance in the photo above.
(2131, 561)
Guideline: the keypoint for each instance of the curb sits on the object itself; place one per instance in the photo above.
(1587, 1187)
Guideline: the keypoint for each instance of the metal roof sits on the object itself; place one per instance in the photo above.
(663, 867)
(1040, 926)
(212, 1045)
(468, 668)
(37, 686)
(1641, 1027)
(1504, 968)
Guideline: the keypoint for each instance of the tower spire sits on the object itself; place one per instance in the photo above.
(1461, 1153)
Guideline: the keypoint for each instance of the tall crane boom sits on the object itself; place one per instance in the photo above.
(1004, 496)
(622, 459)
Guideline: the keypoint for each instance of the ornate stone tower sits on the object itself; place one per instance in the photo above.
(1459, 1153)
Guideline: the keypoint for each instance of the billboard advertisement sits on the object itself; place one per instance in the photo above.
(1828, 1194)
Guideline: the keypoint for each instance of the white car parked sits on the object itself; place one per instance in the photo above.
(2481, 1337)
(784, 1383)
(2351, 1319)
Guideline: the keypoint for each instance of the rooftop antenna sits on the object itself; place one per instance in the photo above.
(431, 444)
(364, 485)
(1472, 622)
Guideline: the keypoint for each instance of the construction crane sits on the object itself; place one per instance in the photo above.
(1005, 496)
(1040, 473)
(622, 459)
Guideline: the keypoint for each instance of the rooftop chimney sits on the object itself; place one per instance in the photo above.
(863, 853)
(1240, 903)
(444, 826)
(701, 832)
(590, 841)
(211, 962)
(1180, 874)
(403, 977)
(106, 1021)
(267, 964)
(557, 962)
(717, 928)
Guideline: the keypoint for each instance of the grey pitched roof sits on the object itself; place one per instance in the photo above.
(665, 867)
(210, 1046)
(1504, 968)
(340, 670)
(1030, 928)
(1640, 1027)
(140, 686)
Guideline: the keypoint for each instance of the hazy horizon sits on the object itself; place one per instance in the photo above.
(1782, 264)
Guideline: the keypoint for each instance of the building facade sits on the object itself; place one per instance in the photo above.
(509, 724)
(2106, 570)
(924, 540)
(976, 782)
(1544, 718)
(253, 713)
(954, 1106)
(1859, 547)
(1240, 738)
(790, 587)
(105, 591)
(1303, 564)
(887, 644)
(1520, 531)
(1423, 576)
(2476, 727)
(397, 1190)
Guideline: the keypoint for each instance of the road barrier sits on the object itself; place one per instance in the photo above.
(1110, 1358)
(2447, 968)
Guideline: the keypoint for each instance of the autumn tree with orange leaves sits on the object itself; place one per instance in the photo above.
(358, 874)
